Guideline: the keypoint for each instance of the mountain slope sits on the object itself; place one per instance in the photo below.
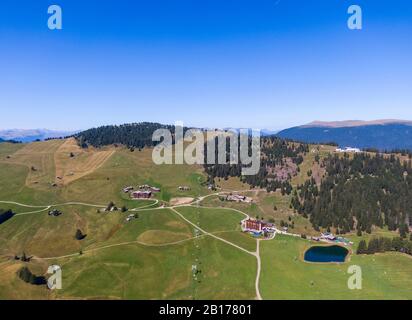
(380, 135)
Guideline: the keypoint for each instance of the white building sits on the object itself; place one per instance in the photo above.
(348, 150)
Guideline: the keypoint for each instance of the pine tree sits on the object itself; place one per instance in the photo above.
(362, 247)
(79, 235)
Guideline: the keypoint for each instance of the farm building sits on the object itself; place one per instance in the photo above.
(348, 149)
(328, 236)
(149, 188)
(238, 198)
(55, 213)
(141, 195)
(128, 189)
(130, 217)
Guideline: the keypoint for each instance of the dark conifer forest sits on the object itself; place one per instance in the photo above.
(359, 193)
(134, 135)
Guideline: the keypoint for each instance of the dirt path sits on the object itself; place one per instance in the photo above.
(259, 263)
(211, 234)
(255, 254)
(118, 245)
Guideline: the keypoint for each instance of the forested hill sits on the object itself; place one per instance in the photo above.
(137, 135)
(389, 136)
(280, 160)
(359, 193)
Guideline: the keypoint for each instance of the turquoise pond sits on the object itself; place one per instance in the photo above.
(325, 254)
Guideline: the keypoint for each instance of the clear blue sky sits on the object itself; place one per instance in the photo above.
(217, 63)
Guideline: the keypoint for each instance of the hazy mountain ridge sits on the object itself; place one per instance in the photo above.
(379, 134)
(355, 123)
(30, 135)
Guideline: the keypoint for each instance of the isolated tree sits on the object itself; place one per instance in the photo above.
(110, 206)
(24, 257)
(79, 235)
(403, 230)
(362, 247)
(5, 215)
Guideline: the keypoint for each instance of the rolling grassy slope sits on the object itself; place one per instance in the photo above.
(39, 158)
(154, 266)
(152, 256)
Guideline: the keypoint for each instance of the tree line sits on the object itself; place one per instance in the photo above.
(274, 152)
(382, 244)
(134, 135)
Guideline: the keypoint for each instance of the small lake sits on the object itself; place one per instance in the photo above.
(326, 254)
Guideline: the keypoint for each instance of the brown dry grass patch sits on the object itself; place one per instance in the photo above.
(84, 162)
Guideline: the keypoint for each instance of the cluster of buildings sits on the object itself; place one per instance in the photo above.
(329, 237)
(258, 228)
(238, 198)
(348, 150)
(149, 188)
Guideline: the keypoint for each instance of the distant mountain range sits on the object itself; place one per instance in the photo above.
(378, 134)
(32, 135)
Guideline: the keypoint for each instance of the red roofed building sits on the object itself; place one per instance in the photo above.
(252, 225)
(257, 226)
(141, 194)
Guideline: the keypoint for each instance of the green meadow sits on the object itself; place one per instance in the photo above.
(159, 255)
